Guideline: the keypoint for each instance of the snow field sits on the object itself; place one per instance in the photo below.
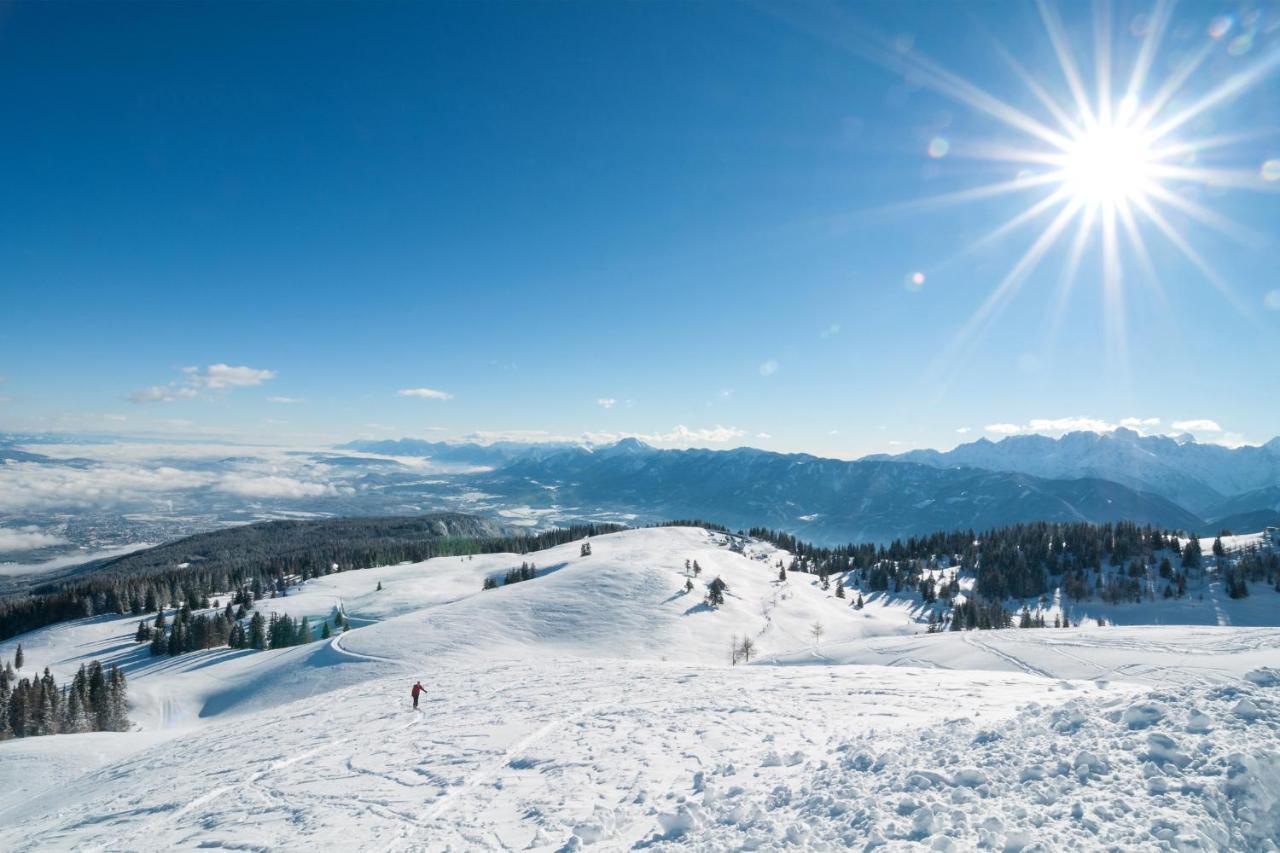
(594, 707)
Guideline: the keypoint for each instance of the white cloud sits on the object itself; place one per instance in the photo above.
(1272, 300)
(963, 430)
(680, 436)
(489, 436)
(1003, 429)
(219, 376)
(1077, 424)
(72, 559)
(215, 377)
(1197, 425)
(285, 401)
(273, 486)
(32, 485)
(1139, 424)
(27, 538)
(763, 435)
(163, 394)
(769, 368)
(830, 331)
(424, 393)
(606, 402)
(683, 435)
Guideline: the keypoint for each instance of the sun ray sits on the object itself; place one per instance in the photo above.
(1209, 143)
(1156, 24)
(1233, 86)
(1240, 178)
(1067, 280)
(1002, 153)
(1189, 252)
(1113, 294)
(1171, 87)
(1102, 59)
(1042, 95)
(1024, 217)
(976, 193)
(1008, 287)
(955, 86)
(1134, 235)
(1205, 216)
(1058, 38)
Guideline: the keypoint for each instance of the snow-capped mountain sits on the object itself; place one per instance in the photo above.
(827, 500)
(1197, 476)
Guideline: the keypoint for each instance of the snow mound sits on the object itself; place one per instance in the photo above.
(1092, 787)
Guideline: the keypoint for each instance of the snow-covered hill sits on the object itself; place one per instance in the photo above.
(595, 706)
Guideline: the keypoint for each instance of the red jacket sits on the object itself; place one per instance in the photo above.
(417, 688)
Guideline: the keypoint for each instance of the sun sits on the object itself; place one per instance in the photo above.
(1112, 155)
(1105, 167)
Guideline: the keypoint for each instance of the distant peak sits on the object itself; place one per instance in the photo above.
(631, 445)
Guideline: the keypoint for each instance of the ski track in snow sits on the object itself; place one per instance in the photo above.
(594, 708)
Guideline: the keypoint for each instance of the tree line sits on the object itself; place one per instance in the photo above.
(262, 557)
(95, 700)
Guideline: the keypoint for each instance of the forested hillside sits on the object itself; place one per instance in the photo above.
(264, 555)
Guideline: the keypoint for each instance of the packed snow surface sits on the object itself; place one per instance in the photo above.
(595, 707)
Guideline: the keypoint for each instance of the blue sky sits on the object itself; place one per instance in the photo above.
(690, 222)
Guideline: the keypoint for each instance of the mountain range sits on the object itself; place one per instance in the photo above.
(1082, 476)
(1207, 479)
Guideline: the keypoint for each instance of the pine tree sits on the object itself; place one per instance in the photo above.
(325, 633)
(782, 572)
(159, 642)
(117, 719)
(18, 658)
(257, 632)
(840, 588)
(304, 632)
(143, 633)
(5, 693)
(715, 592)
(1191, 553)
(99, 702)
(177, 638)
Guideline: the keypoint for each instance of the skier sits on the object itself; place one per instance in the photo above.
(417, 690)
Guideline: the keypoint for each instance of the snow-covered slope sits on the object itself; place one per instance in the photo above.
(595, 706)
